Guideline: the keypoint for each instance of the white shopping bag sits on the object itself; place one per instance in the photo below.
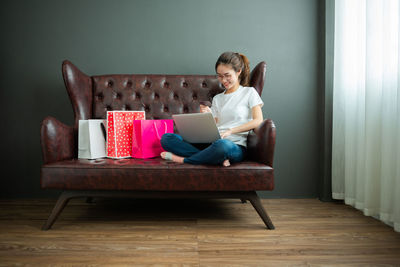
(91, 139)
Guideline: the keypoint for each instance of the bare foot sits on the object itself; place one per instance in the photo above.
(226, 163)
(171, 156)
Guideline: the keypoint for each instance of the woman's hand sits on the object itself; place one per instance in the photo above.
(225, 133)
(204, 109)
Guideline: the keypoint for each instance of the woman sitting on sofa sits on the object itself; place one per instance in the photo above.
(237, 110)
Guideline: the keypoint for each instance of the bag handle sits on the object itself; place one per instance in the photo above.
(155, 128)
(103, 129)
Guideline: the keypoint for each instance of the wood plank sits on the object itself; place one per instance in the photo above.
(194, 233)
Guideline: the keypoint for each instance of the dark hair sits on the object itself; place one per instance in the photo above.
(237, 62)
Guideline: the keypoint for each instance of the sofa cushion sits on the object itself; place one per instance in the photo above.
(154, 175)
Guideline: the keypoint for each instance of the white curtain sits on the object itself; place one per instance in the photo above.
(366, 108)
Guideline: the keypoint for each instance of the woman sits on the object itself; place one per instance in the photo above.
(236, 111)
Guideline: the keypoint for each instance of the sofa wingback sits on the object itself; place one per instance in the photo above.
(159, 96)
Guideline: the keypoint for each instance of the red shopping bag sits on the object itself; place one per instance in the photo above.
(119, 132)
(147, 135)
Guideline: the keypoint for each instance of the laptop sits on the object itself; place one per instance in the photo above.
(197, 128)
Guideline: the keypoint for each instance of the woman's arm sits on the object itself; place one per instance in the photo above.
(257, 116)
(206, 109)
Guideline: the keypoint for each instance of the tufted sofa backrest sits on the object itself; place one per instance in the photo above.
(159, 96)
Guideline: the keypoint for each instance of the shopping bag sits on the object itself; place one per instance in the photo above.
(147, 135)
(119, 132)
(91, 139)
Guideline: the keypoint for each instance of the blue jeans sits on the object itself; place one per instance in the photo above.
(214, 153)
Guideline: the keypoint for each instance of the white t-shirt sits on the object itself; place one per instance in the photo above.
(234, 109)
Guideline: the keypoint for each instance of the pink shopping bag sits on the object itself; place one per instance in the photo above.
(147, 135)
(119, 132)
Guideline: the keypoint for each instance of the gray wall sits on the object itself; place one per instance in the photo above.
(158, 36)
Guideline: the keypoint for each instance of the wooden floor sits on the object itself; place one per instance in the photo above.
(132, 232)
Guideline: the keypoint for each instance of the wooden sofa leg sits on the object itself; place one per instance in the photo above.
(256, 202)
(58, 207)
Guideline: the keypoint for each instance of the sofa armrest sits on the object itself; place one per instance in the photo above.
(261, 143)
(57, 140)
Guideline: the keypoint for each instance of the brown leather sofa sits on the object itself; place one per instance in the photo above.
(160, 96)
